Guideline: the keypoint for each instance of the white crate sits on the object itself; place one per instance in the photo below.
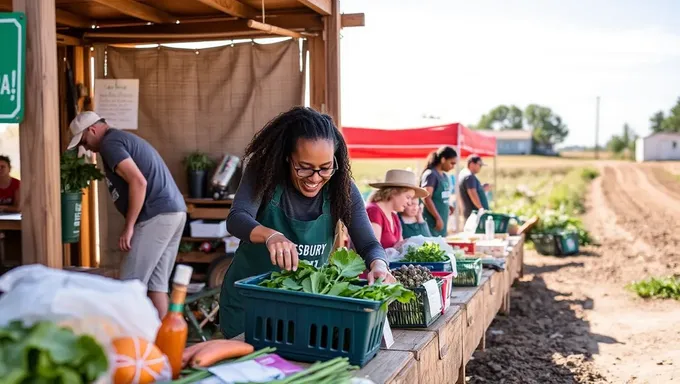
(231, 244)
(495, 248)
(208, 228)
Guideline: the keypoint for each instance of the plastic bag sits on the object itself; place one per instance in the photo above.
(417, 241)
(116, 308)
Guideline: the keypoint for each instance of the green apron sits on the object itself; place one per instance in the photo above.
(440, 198)
(413, 229)
(314, 240)
(482, 196)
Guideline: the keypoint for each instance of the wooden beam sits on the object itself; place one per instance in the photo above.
(306, 22)
(231, 7)
(322, 7)
(68, 40)
(273, 29)
(348, 20)
(317, 74)
(139, 10)
(72, 20)
(39, 139)
(333, 27)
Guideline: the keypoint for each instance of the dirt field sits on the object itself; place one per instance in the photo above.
(572, 320)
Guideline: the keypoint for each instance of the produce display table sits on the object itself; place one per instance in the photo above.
(439, 353)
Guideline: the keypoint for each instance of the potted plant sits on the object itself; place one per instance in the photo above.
(198, 164)
(76, 175)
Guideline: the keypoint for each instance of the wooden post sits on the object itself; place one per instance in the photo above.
(39, 137)
(333, 24)
(317, 73)
(79, 63)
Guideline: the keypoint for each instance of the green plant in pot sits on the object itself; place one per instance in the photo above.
(198, 165)
(76, 175)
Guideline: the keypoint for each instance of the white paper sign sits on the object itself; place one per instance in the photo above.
(434, 296)
(117, 101)
(387, 339)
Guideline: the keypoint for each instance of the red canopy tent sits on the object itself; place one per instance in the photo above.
(416, 143)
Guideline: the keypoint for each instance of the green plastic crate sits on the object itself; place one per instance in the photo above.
(469, 272)
(311, 327)
(561, 243)
(500, 220)
(415, 314)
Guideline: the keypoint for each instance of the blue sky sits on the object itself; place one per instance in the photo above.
(458, 59)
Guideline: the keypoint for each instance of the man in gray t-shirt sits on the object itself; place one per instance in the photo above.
(469, 185)
(143, 191)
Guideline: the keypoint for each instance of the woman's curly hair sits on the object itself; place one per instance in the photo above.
(268, 156)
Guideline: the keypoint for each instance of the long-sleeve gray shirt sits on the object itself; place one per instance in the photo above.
(242, 216)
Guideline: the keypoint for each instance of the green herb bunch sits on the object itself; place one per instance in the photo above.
(338, 278)
(47, 353)
(76, 173)
(429, 252)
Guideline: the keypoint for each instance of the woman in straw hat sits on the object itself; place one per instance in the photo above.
(393, 195)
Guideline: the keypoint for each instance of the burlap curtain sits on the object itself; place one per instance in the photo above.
(212, 100)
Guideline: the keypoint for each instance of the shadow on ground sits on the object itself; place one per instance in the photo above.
(544, 340)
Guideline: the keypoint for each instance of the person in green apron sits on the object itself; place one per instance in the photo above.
(296, 186)
(436, 182)
(412, 221)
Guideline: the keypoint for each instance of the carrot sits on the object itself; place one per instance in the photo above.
(190, 352)
(219, 350)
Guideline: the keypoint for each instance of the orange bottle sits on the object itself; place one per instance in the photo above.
(172, 334)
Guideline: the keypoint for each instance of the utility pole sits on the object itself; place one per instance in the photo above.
(597, 129)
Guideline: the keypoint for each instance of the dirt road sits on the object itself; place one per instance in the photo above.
(572, 319)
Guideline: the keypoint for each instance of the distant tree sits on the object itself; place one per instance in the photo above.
(548, 128)
(666, 123)
(501, 118)
(624, 143)
(672, 122)
(656, 121)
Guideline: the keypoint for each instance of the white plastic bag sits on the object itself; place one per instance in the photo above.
(119, 308)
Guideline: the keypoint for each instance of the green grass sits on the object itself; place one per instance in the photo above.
(654, 287)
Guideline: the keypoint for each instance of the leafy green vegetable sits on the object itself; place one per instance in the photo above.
(46, 353)
(429, 252)
(665, 288)
(338, 278)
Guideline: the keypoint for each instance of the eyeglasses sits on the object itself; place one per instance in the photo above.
(323, 172)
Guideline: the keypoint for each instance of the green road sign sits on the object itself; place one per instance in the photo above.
(12, 66)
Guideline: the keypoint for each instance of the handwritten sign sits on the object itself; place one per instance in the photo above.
(117, 101)
(434, 296)
(387, 339)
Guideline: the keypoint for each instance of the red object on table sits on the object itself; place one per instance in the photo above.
(468, 247)
(446, 288)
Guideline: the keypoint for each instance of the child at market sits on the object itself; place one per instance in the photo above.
(412, 222)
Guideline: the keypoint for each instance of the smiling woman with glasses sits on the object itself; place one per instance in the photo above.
(296, 186)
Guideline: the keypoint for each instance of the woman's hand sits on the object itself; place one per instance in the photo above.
(439, 224)
(379, 270)
(419, 215)
(282, 252)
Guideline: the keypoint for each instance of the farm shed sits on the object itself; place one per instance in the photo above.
(662, 146)
(72, 44)
(513, 141)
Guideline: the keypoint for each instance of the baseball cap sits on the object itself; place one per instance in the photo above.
(83, 121)
(475, 159)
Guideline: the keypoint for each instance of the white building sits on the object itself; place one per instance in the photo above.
(658, 147)
(512, 142)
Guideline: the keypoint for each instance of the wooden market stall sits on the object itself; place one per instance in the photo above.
(76, 39)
